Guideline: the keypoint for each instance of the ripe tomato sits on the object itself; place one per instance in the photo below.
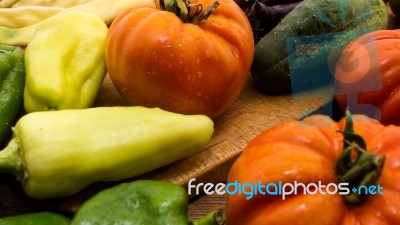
(158, 59)
(310, 152)
(368, 76)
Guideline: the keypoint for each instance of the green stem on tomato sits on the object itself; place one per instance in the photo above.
(188, 12)
(355, 165)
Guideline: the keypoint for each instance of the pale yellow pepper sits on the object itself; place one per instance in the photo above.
(58, 153)
(65, 62)
(56, 3)
(17, 31)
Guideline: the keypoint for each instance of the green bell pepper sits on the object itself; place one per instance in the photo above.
(141, 202)
(39, 218)
(65, 62)
(12, 81)
(58, 153)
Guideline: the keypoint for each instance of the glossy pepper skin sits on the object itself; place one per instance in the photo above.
(39, 218)
(79, 147)
(12, 81)
(65, 62)
(141, 202)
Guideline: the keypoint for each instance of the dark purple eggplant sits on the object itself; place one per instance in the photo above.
(264, 15)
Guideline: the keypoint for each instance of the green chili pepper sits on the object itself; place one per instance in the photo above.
(65, 62)
(58, 153)
(12, 81)
(141, 202)
(39, 218)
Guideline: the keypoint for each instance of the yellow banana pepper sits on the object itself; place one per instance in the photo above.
(18, 25)
(58, 153)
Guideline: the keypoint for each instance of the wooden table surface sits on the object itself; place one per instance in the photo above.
(252, 113)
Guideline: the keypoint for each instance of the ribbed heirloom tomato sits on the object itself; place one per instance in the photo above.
(368, 74)
(358, 151)
(187, 58)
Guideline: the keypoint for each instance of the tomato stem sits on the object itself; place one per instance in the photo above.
(188, 12)
(356, 166)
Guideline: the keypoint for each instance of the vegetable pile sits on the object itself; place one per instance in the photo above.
(56, 142)
(180, 65)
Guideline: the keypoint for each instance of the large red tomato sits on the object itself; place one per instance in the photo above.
(157, 59)
(317, 150)
(368, 76)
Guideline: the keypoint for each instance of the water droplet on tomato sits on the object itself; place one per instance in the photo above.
(208, 53)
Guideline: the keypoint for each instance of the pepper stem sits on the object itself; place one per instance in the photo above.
(10, 159)
(188, 12)
(212, 218)
(356, 166)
